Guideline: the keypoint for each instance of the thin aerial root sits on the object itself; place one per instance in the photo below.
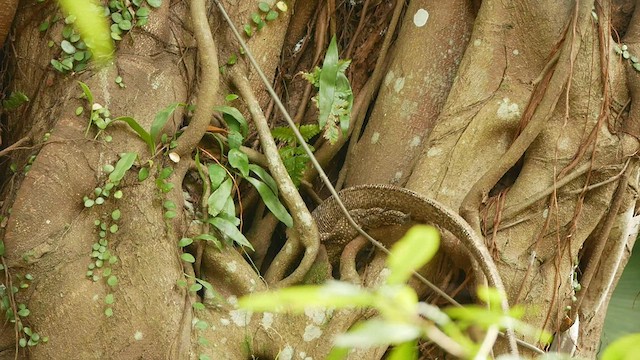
(348, 268)
(209, 83)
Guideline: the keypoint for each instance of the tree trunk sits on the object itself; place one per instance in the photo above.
(520, 114)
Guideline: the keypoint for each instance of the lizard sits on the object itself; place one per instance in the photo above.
(373, 206)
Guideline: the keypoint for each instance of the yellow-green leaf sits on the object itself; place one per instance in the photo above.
(92, 26)
(411, 252)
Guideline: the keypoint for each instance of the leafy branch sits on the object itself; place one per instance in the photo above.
(335, 98)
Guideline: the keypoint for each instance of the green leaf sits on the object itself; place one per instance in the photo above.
(112, 280)
(185, 242)
(295, 161)
(239, 160)
(211, 238)
(490, 296)
(264, 7)
(116, 17)
(217, 174)
(229, 212)
(333, 294)
(188, 258)
(309, 131)
(67, 47)
(195, 287)
(124, 164)
(125, 25)
(229, 230)
(206, 237)
(115, 215)
(43, 26)
(170, 214)
(142, 12)
(272, 201)
(405, 351)
(154, 3)
(108, 299)
(87, 92)
(265, 176)
(161, 119)
(271, 15)
(217, 199)
(108, 312)
(248, 30)
(625, 348)
(234, 139)
(255, 17)
(165, 173)
(92, 26)
(201, 325)
(412, 252)
(344, 102)
(328, 78)
(234, 119)
(283, 133)
(338, 353)
(14, 100)
(376, 332)
(143, 174)
(144, 135)
(206, 285)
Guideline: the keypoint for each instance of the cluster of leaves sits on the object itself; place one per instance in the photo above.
(219, 185)
(74, 49)
(151, 137)
(164, 186)
(14, 100)
(200, 325)
(623, 51)
(293, 156)
(264, 183)
(125, 15)
(14, 167)
(87, 25)
(266, 13)
(258, 21)
(101, 118)
(75, 53)
(402, 319)
(102, 260)
(335, 98)
(27, 336)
